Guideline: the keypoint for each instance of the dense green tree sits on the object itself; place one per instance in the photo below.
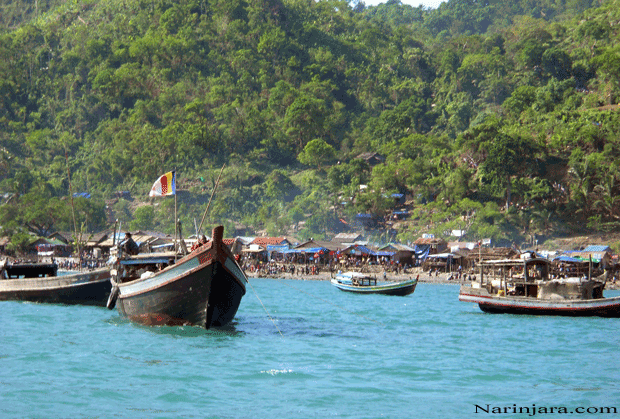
(316, 153)
(143, 218)
(507, 157)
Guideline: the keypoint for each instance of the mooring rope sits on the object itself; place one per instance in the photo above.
(264, 308)
(329, 302)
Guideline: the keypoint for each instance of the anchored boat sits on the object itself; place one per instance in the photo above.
(365, 284)
(523, 286)
(203, 288)
(40, 283)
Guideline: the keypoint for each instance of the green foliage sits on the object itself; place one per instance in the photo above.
(316, 153)
(467, 103)
(143, 218)
(19, 242)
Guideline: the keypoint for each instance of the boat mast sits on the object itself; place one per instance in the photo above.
(114, 234)
(77, 238)
(480, 261)
(217, 182)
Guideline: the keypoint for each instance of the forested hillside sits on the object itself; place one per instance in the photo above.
(490, 117)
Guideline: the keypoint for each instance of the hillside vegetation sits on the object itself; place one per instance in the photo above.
(497, 118)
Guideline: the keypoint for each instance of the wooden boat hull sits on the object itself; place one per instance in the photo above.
(202, 289)
(392, 288)
(84, 288)
(601, 307)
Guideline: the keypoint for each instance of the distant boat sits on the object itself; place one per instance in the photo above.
(523, 286)
(39, 282)
(202, 289)
(364, 284)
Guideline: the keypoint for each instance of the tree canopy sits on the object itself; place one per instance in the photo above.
(471, 106)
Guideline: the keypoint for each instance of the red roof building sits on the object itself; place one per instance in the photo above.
(273, 241)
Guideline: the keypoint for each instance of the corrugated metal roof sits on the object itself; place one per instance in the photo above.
(597, 248)
(246, 240)
(319, 243)
(346, 236)
(397, 246)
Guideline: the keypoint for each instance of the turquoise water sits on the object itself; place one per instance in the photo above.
(326, 354)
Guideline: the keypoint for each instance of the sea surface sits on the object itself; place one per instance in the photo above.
(304, 349)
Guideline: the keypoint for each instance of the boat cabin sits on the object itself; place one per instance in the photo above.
(530, 278)
(356, 278)
(28, 270)
(143, 265)
(364, 281)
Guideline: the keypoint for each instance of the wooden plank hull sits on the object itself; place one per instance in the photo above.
(203, 289)
(601, 307)
(84, 288)
(392, 288)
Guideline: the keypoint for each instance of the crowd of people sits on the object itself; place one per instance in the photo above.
(302, 266)
(76, 264)
(257, 268)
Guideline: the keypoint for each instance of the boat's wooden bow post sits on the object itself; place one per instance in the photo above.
(218, 236)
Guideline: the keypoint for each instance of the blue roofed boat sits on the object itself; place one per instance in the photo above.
(365, 284)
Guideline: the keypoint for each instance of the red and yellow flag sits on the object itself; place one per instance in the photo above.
(165, 185)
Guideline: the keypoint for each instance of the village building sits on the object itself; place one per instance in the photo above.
(347, 238)
(46, 247)
(273, 241)
(491, 253)
(371, 158)
(401, 253)
(601, 255)
(429, 245)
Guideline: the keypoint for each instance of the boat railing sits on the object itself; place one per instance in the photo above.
(365, 281)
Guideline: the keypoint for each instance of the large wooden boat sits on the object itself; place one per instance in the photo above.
(364, 284)
(39, 282)
(523, 286)
(202, 289)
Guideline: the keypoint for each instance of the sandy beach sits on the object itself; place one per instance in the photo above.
(424, 277)
(326, 276)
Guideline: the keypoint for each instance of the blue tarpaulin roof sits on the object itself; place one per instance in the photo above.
(363, 250)
(277, 247)
(568, 259)
(422, 251)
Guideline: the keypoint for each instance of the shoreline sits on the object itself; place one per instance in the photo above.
(326, 276)
(424, 277)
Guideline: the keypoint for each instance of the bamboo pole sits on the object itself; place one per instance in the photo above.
(217, 182)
